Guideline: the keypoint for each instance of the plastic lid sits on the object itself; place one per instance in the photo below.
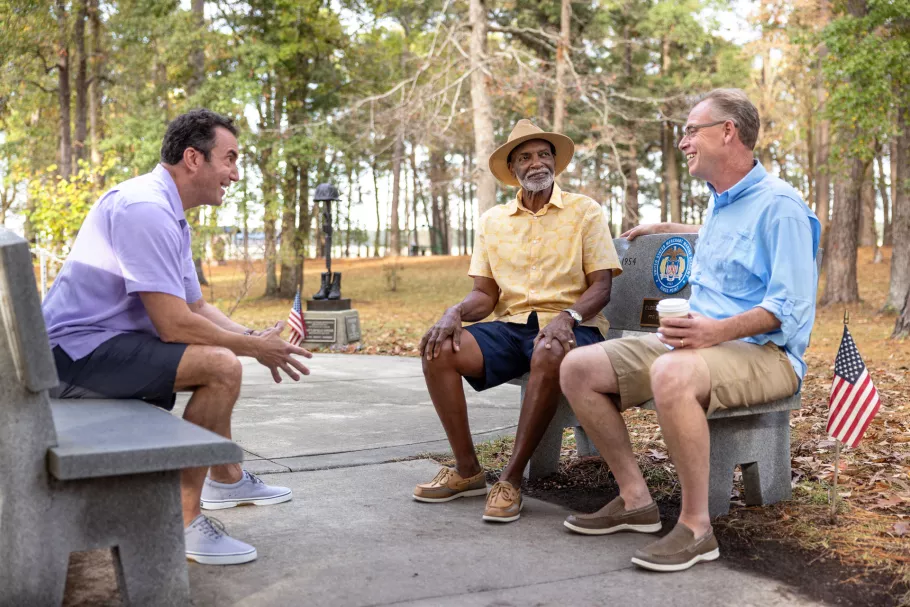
(669, 306)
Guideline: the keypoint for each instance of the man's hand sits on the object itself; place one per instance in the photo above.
(644, 230)
(694, 332)
(447, 326)
(278, 327)
(275, 353)
(560, 329)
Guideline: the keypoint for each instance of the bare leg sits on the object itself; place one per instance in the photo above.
(443, 375)
(587, 380)
(541, 397)
(214, 374)
(681, 383)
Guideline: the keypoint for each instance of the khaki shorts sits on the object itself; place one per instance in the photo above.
(742, 374)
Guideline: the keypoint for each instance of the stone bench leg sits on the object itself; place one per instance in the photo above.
(545, 460)
(760, 445)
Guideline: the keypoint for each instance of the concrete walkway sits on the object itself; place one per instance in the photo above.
(354, 537)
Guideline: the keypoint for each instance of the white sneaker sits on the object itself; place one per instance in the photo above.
(206, 543)
(248, 490)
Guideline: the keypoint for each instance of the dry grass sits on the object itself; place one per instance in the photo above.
(873, 526)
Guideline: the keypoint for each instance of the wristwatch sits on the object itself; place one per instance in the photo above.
(575, 315)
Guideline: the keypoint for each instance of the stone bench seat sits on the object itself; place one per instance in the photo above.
(756, 438)
(98, 438)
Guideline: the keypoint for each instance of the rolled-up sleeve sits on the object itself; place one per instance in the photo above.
(147, 244)
(480, 260)
(793, 281)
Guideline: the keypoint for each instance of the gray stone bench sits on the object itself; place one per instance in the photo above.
(756, 438)
(84, 474)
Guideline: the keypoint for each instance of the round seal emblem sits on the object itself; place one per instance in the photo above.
(672, 265)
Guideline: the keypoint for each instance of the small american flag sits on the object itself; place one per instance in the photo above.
(295, 320)
(854, 400)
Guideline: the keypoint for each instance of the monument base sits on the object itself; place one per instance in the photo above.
(324, 305)
(329, 328)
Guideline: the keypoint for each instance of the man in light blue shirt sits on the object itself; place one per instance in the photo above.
(751, 312)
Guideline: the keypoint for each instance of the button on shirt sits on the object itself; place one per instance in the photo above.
(540, 260)
(757, 248)
(134, 239)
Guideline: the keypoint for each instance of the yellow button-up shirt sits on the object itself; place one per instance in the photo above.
(540, 260)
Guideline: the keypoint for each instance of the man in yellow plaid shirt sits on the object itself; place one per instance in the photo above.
(543, 266)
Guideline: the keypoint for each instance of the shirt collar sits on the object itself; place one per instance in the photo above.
(555, 200)
(757, 173)
(172, 195)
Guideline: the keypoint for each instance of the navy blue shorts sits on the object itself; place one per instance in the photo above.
(507, 349)
(130, 365)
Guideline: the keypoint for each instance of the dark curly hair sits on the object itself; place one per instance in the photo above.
(195, 129)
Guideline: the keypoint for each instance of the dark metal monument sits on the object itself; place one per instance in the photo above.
(329, 318)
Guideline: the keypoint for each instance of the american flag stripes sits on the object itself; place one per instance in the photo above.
(854, 400)
(295, 321)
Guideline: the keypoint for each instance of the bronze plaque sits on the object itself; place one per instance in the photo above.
(352, 325)
(320, 330)
(649, 317)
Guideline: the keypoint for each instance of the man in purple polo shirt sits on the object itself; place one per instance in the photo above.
(126, 318)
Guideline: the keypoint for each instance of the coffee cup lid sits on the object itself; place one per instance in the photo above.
(673, 305)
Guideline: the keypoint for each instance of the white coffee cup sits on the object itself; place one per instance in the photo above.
(672, 308)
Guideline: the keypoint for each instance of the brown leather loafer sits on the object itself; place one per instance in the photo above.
(614, 517)
(503, 503)
(678, 550)
(448, 485)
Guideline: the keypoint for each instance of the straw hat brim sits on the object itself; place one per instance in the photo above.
(499, 164)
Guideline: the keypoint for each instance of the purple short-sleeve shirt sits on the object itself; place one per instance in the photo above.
(134, 239)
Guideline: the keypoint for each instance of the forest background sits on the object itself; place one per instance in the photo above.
(399, 103)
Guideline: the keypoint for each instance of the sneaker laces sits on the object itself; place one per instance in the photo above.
(442, 477)
(255, 479)
(211, 527)
(500, 488)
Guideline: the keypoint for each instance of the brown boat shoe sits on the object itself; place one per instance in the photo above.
(448, 485)
(678, 550)
(614, 517)
(504, 503)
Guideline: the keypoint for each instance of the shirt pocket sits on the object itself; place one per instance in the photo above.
(733, 262)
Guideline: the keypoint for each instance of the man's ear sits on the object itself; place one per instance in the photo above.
(511, 170)
(729, 132)
(192, 158)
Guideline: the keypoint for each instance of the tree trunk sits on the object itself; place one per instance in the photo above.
(394, 228)
(81, 125)
(417, 194)
(562, 60)
(378, 219)
(902, 325)
(867, 233)
(270, 216)
(465, 203)
(823, 136)
(883, 192)
(887, 239)
(841, 285)
(197, 55)
(287, 287)
(483, 108)
(671, 173)
(630, 199)
(63, 92)
(96, 128)
(302, 238)
(900, 217)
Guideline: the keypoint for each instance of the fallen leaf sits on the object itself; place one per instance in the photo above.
(902, 528)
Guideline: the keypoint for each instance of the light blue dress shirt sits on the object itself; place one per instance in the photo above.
(757, 248)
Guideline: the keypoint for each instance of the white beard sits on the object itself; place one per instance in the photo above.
(537, 184)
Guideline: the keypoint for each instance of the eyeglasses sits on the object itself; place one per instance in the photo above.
(690, 130)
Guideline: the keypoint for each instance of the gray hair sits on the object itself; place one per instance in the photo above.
(733, 104)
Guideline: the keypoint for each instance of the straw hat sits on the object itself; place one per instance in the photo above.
(526, 130)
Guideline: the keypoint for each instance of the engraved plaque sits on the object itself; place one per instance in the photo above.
(649, 317)
(320, 330)
(352, 326)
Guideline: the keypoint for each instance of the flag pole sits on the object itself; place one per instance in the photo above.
(833, 499)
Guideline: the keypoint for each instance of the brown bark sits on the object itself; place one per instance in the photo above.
(378, 220)
(394, 228)
(197, 55)
(822, 135)
(671, 174)
(562, 59)
(868, 236)
(902, 325)
(840, 257)
(483, 108)
(63, 92)
(287, 285)
(417, 195)
(900, 217)
(81, 122)
(892, 155)
(302, 237)
(96, 126)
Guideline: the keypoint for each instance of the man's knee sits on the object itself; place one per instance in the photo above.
(224, 368)
(674, 376)
(444, 360)
(547, 360)
(572, 371)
